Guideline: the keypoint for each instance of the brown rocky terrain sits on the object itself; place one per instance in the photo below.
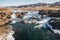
(39, 8)
(6, 32)
(5, 15)
(51, 13)
(7, 10)
(19, 14)
(5, 29)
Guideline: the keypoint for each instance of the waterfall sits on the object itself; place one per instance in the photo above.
(42, 21)
(13, 18)
(31, 14)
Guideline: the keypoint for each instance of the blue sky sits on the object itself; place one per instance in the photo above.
(23, 2)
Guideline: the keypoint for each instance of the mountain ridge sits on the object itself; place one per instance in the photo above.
(36, 4)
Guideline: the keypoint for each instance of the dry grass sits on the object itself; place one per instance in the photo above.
(6, 10)
(40, 8)
(4, 21)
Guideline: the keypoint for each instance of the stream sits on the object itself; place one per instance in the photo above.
(38, 29)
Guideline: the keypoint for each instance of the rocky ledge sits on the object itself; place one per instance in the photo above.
(6, 32)
(5, 15)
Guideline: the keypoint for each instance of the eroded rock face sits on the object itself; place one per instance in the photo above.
(6, 33)
(5, 15)
(4, 18)
(50, 13)
(19, 14)
(6, 10)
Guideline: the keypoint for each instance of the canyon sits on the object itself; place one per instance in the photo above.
(18, 23)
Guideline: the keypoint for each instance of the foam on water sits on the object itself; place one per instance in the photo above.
(56, 31)
(42, 22)
(31, 14)
(13, 18)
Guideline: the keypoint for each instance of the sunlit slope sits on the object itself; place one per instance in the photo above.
(39, 8)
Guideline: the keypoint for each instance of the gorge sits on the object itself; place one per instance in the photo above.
(30, 25)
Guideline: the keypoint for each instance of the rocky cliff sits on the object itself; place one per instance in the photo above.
(6, 33)
(5, 15)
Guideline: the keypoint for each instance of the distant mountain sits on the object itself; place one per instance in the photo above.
(34, 5)
(29, 5)
(56, 4)
(41, 4)
(11, 7)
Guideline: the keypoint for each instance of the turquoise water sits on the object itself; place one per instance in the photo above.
(27, 32)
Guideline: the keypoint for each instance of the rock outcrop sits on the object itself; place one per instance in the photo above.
(19, 14)
(50, 13)
(5, 15)
(6, 33)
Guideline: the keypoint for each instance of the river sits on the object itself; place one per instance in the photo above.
(38, 29)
